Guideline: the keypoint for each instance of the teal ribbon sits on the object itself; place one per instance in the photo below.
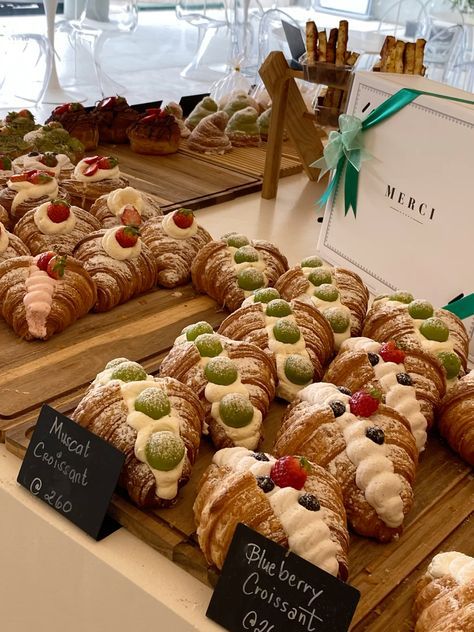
(345, 151)
(463, 307)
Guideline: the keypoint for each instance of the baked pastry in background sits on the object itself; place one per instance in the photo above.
(94, 176)
(4, 217)
(444, 600)
(242, 128)
(456, 417)
(263, 123)
(295, 333)
(231, 268)
(340, 294)
(54, 138)
(238, 101)
(6, 169)
(156, 133)
(41, 296)
(27, 190)
(411, 380)
(108, 208)
(155, 422)
(209, 137)
(120, 264)
(401, 318)
(78, 122)
(20, 122)
(55, 225)
(366, 445)
(176, 110)
(203, 108)
(174, 240)
(11, 245)
(291, 501)
(114, 116)
(58, 164)
(235, 382)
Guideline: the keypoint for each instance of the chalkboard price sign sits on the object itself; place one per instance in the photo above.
(273, 590)
(71, 469)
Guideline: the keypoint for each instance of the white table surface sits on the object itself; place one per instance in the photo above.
(55, 578)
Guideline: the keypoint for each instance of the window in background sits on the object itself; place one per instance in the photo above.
(360, 8)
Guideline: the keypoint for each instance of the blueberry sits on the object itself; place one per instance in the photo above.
(373, 358)
(260, 456)
(375, 434)
(338, 408)
(310, 502)
(344, 390)
(404, 379)
(265, 483)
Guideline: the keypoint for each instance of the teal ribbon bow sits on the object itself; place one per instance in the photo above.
(345, 151)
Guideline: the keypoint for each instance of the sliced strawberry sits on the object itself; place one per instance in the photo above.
(183, 217)
(61, 109)
(290, 471)
(44, 258)
(130, 216)
(91, 159)
(149, 118)
(58, 211)
(127, 236)
(107, 162)
(5, 163)
(90, 171)
(19, 177)
(56, 267)
(41, 177)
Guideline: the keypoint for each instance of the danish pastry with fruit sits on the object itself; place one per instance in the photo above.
(155, 133)
(80, 123)
(108, 208)
(114, 116)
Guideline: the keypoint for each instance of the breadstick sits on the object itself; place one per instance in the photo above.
(409, 58)
(389, 64)
(331, 47)
(322, 45)
(388, 44)
(376, 66)
(398, 60)
(342, 38)
(419, 53)
(352, 58)
(311, 42)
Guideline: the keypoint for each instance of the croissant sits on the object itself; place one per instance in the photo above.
(444, 600)
(175, 240)
(295, 333)
(155, 422)
(120, 272)
(209, 137)
(235, 382)
(58, 164)
(109, 208)
(229, 269)
(94, 176)
(340, 294)
(401, 318)
(366, 445)
(456, 417)
(55, 226)
(41, 296)
(113, 116)
(10, 245)
(4, 217)
(79, 122)
(411, 379)
(244, 486)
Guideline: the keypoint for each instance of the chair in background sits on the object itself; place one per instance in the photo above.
(405, 19)
(271, 35)
(99, 22)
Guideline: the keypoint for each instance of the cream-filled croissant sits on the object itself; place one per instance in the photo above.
(209, 137)
(120, 264)
(402, 318)
(155, 422)
(290, 501)
(41, 296)
(411, 380)
(235, 382)
(55, 225)
(366, 445)
(444, 600)
(109, 208)
(340, 294)
(456, 417)
(295, 333)
(231, 268)
(11, 245)
(174, 240)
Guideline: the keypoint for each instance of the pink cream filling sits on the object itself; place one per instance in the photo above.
(38, 300)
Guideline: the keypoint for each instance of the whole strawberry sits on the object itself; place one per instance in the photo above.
(56, 267)
(44, 258)
(290, 471)
(183, 217)
(58, 211)
(127, 236)
(364, 404)
(130, 216)
(390, 352)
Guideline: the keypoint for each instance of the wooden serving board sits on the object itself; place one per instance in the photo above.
(384, 573)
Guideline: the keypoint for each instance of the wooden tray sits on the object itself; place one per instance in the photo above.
(384, 573)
